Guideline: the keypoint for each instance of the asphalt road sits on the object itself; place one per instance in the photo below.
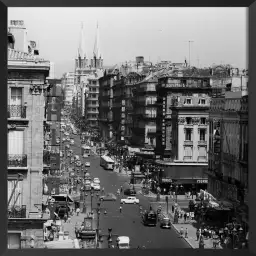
(127, 223)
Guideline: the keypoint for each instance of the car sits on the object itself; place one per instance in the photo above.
(85, 156)
(72, 142)
(130, 200)
(78, 163)
(96, 180)
(87, 182)
(108, 197)
(66, 133)
(67, 138)
(63, 139)
(95, 186)
(123, 242)
(77, 157)
(130, 192)
(87, 164)
(57, 141)
(67, 146)
(165, 222)
(72, 160)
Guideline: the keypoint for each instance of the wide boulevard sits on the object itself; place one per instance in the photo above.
(127, 223)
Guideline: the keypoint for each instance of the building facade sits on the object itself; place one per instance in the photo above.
(27, 75)
(183, 127)
(68, 82)
(228, 151)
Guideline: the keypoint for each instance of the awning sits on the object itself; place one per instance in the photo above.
(62, 197)
(183, 172)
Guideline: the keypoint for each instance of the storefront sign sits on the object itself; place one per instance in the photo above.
(202, 181)
(166, 180)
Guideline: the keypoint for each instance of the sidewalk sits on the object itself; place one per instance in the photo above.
(190, 224)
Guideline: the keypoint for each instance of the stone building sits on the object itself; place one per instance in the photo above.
(68, 82)
(182, 126)
(27, 83)
(106, 103)
(228, 151)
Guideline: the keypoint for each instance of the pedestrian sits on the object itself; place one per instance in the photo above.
(65, 217)
(186, 233)
(121, 189)
(77, 211)
(181, 232)
(197, 235)
(172, 208)
(120, 209)
(185, 217)
(69, 219)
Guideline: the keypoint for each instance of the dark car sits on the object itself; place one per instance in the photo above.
(165, 222)
(108, 197)
(130, 192)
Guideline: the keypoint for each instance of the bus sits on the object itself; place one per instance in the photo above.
(86, 150)
(149, 218)
(106, 162)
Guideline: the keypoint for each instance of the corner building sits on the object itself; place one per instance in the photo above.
(27, 74)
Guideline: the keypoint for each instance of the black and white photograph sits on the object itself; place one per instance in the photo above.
(127, 128)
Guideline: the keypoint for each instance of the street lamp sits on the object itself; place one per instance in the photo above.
(234, 234)
(91, 202)
(176, 191)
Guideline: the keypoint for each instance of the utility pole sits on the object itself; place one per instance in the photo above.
(189, 50)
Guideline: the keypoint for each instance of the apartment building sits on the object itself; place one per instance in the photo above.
(27, 74)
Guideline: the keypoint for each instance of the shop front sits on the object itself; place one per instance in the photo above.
(183, 178)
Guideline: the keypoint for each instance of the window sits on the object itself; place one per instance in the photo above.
(188, 153)
(202, 134)
(203, 120)
(54, 104)
(16, 96)
(17, 196)
(188, 134)
(201, 101)
(202, 152)
(15, 142)
(14, 240)
(188, 101)
(188, 120)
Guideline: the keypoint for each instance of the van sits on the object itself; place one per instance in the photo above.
(123, 242)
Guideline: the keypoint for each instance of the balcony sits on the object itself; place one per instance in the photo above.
(187, 158)
(202, 143)
(188, 143)
(17, 160)
(17, 212)
(16, 111)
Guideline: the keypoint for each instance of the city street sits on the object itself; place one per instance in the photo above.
(127, 223)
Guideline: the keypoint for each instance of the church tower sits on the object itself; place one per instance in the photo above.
(97, 59)
(82, 60)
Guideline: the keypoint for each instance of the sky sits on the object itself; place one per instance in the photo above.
(219, 35)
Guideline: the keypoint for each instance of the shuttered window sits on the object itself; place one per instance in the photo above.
(17, 194)
(188, 152)
(15, 142)
(16, 96)
(202, 152)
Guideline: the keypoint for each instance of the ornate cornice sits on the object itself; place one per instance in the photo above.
(195, 120)
(37, 89)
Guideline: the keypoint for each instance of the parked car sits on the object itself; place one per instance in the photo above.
(87, 164)
(96, 180)
(63, 139)
(85, 156)
(95, 186)
(123, 242)
(130, 200)
(67, 138)
(108, 197)
(67, 146)
(57, 141)
(72, 142)
(165, 222)
(66, 133)
(130, 192)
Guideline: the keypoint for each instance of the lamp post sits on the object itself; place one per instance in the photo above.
(110, 240)
(98, 222)
(176, 191)
(233, 236)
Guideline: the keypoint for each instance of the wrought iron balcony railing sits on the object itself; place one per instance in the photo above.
(17, 160)
(17, 212)
(17, 111)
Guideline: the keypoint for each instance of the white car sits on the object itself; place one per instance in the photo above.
(96, 180)
(72, 142)
(63, 139)
(66, 133)
(95, 186)
(87, 164)
(68, 139)
(85, 156)
(57, 141)
(130, 200)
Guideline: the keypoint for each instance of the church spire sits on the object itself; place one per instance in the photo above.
(81, 51)
(96, 50)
